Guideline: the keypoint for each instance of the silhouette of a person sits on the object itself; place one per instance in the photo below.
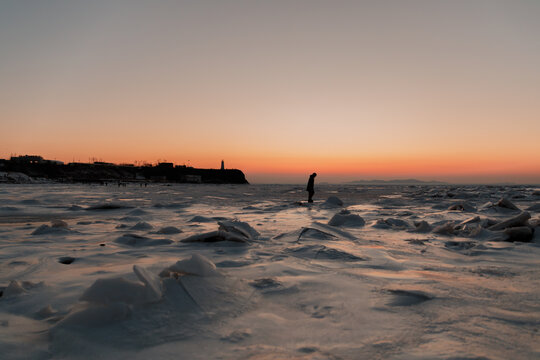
(311, 187)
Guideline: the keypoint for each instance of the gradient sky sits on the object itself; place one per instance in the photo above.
(446, 90)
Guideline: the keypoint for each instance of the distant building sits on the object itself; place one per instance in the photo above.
(166, 165)
(29, 159)
(103, 163)
(55, 162)
(222, 165)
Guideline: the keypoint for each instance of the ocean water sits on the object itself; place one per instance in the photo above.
(253, 272)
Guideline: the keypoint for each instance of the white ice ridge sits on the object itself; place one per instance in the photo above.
(113, 299)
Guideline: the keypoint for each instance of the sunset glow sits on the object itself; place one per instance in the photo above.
(353, 90)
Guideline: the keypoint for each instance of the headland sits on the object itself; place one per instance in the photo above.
(28, 168)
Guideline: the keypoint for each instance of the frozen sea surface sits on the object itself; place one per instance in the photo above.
(253, 272)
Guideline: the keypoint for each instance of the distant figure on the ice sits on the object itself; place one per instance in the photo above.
(311, 187)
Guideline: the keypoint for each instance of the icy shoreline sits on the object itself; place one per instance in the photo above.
(232, 271)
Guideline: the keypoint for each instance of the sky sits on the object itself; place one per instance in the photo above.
(444, 90)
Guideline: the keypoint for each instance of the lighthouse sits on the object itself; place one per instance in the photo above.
(222, 165)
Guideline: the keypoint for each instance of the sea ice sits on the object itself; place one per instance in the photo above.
(303, 288)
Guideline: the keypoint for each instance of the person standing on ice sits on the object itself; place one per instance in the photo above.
(311, 187)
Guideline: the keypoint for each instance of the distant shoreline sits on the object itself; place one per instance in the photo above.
(27, 169)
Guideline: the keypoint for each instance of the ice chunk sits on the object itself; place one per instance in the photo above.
(421, 227)
(136, 240)
(142, 226)
(315, 234)
(195, 265)
(137, 212)
(474, 219)
(518, 220)
(239, 228)
(169, 230)
(106, 291)
(505, 203)
(520, 233)
(114, 290)
(95, 315)
(391, 223)
(14, 288)
(57, 227)
(322, 252)
(59, 224)
(333, 201)
(331, 230)
(462, 206)
(152, 283)
(46, 312)
(345, 218)
(445, 229)
(215, 236)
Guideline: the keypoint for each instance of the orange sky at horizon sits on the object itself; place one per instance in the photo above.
(353, 90)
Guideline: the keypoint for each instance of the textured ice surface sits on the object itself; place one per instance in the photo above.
(387, 272)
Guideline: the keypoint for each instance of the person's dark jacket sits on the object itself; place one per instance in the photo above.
(311, 184)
